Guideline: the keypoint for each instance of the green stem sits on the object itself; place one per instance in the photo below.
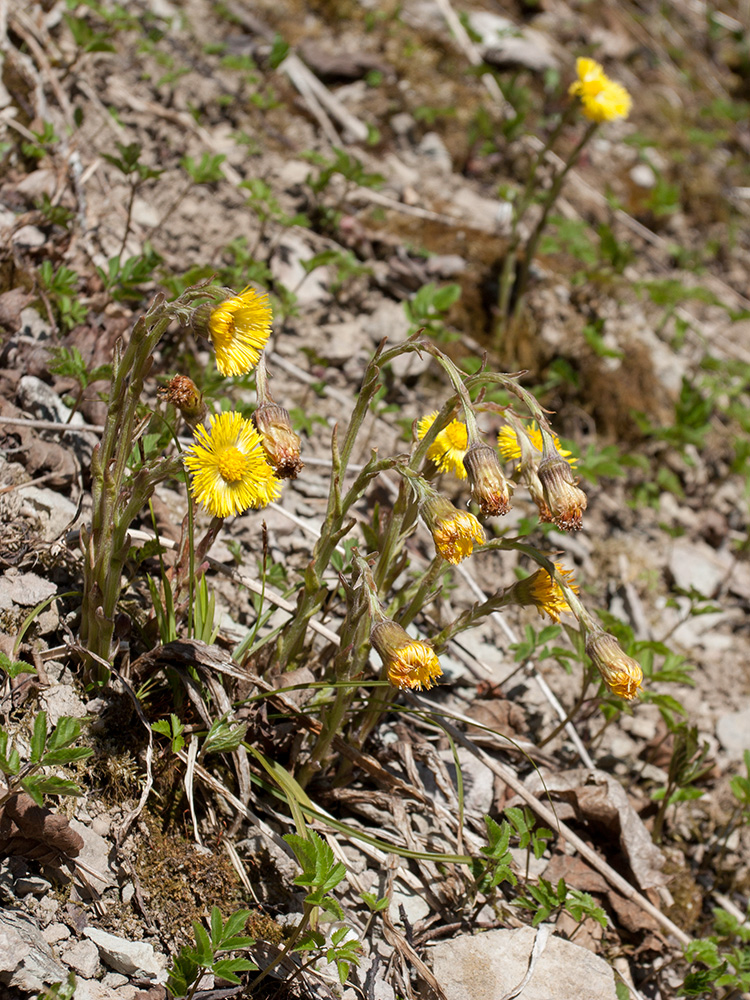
(288, 945)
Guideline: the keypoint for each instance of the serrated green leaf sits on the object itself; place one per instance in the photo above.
(38, 737)
(228, 968)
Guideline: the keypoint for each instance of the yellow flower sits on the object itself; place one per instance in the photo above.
(449, 447)
(239, 329)
(621, 673)
(602, 99)
(564, 501)
(228, 467)
(510, 448)
(545, 594)
(454, 531)
(409, 662)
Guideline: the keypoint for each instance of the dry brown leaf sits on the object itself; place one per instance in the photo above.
(31, 831)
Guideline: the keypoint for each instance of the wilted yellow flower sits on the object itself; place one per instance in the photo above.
(489, 487)
(566, 503)
(183, 393)
(544, 593)
(454, 532)
(621, 673)
(409, 662)
(510, 447)
(602, 99)
(280, 443)
(228, 467)
(449, 447)
(238, 327)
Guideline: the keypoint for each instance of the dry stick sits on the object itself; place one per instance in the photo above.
(473, 55)
(52, 425)
(546, 814)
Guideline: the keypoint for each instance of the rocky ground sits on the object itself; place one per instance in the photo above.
(344, 156)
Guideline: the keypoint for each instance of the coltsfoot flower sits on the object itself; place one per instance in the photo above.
(489, 487)
(565, 502)
(280, 443)
(455, 532)
(238, 328)
(448, 449)
(621, 673)
(544, 593)
(602, 100)
(228, 467)
(410, 663)
(183, 393)
(510, 447)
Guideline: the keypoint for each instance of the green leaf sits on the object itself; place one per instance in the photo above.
(37, 786)
(227, 968)
(38, 737)
(224, 738)
(204, 953)
(15, 667)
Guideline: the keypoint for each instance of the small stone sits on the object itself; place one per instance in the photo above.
(33, 885)
(53, 933)
(433, 149)
(402, 123)
(82, 957)
(732, 730)
(61, 700)
(95, 854)
(128, 891)
(114, 980)
(128, 957)
(28, 236)
(643, 176)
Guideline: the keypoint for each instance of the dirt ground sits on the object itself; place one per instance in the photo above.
(343, 156)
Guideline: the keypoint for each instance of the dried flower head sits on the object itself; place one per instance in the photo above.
(455, 532)
(238, 327)
(602, 99)
(228, 467)
(183, 393)
(280, 443)
(409, 662)
(621, 673)
(449, 447)
(489, 487)
(565, 501)
(510, 447)
(544, 593)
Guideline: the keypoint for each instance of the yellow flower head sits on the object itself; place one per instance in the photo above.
(545, 594)
(409, 662)
(602, 99)
(510, 447)
(228, 467)
(454, 531)
(239, 329)
(621, 673)
(449, 447)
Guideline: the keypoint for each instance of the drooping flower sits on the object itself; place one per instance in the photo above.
(541, 591)
(455, 532)
(510, 447)
(602, 100)
(228, 467)
(620, 672)
(565, 502)
(239, 328)
(410, 663)
(280, 443)
(489, 487)
(183, 393)
(449, 447)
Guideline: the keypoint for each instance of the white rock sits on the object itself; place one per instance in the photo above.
(732, 730)
(38, 398)
(643, 176)
(694, 564)
(25, 954)
(56, 932)
(54, 510)
(24, 589)
(95, 854)
(433, 149)
(414, 904)
(60, 700)
(487, 966)
(82, 957)
(128, 957)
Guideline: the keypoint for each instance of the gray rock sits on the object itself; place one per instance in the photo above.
(694, 564)
(433, 149)
(127, 957)
(82, 957)
(415, 906)
(28, 236)
(37, 398)
(54, 511)
(286, 267)
(95, 854)
(60, 700)
(643, 176)
(504, 44)
(90, 989)
(402, 123)
(487, 966)
(32, 885)
(388, 320)
(733, 731)
(26, 960)
(24, 589)
(53, 933)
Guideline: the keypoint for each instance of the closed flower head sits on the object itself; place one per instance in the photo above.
(564, 501)
(280, 443)
(238, 328)
(621, 673)
(409, 662)
(449, 447)
(489, 487)
(184, 394)
(544, 593)
(228, 467)
(455, 532)
(602, 100)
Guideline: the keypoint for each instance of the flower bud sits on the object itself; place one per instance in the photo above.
(489, 487)
(183, 393)
(621, 673)
(409, 662)
(453, 531)
(565, 501)
(281, 444)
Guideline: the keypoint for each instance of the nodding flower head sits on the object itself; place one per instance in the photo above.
(455, 532)
(489, 487)
(565, 502)
(621, 673)
(280, 443)
(410, 663)
(238, 328)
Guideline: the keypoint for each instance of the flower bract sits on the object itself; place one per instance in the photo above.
(620, 672)
(228, 467)
(455, 532)
(239, 329)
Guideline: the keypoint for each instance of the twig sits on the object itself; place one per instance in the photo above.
(52, 425)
